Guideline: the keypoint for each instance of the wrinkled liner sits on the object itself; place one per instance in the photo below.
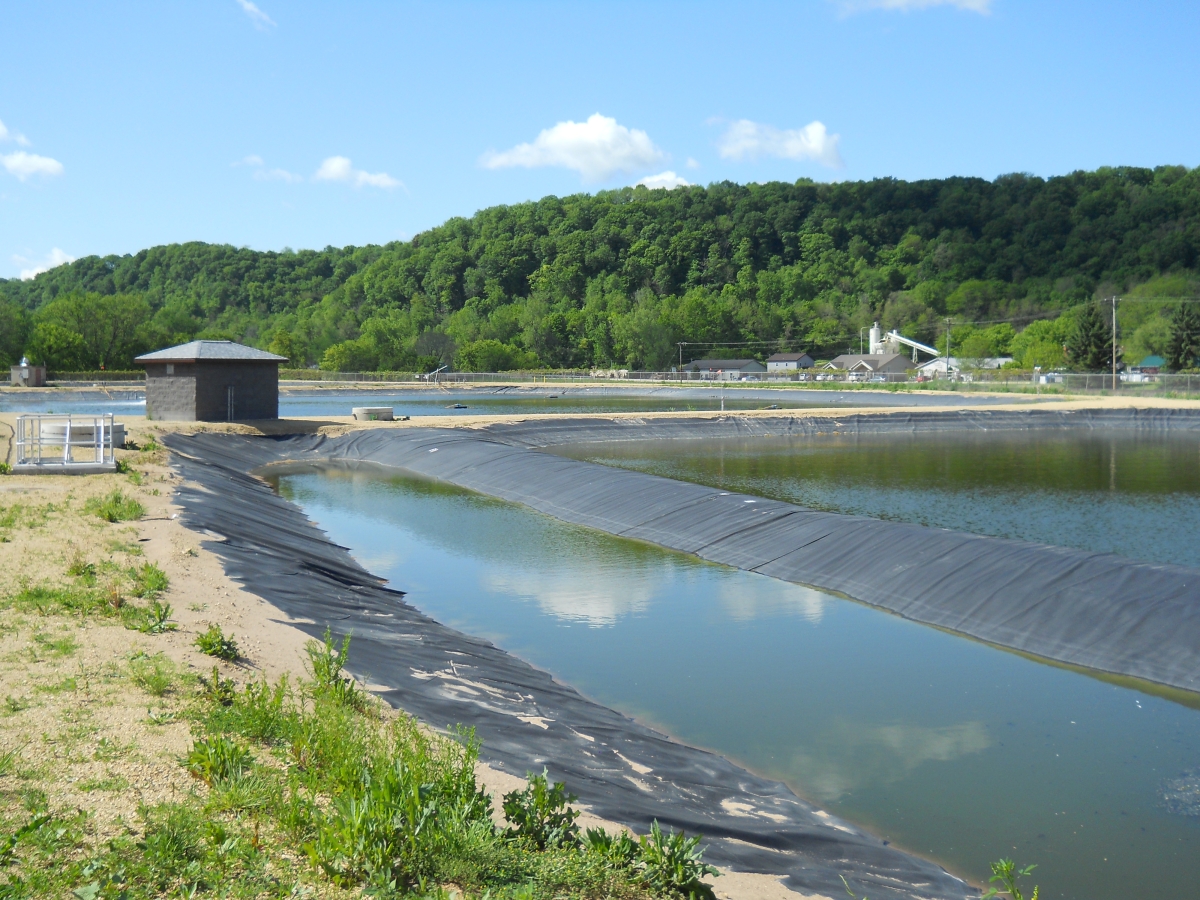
(1080, 608)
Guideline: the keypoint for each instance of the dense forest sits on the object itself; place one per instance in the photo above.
(620, 277)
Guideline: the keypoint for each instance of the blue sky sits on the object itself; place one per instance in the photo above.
(278, 123)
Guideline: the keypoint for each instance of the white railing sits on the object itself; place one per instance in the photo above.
(68, 442)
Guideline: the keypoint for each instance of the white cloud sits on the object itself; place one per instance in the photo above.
(750, 140)
(667, 179)
(277, 175)
(983, 7)
(596, 149)
(261, 173)
(6, 135)
(23, 165)
(339, 168)
(692, 164)
(260, 19)
(53, 259)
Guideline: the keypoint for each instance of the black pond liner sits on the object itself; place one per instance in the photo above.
(1087, 609)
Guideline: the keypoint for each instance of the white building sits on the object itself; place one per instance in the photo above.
(788, 362)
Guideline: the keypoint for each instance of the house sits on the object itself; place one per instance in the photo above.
(725, 368)
(211, 381)
(871, 363)
(788, 362)
(1150, 365)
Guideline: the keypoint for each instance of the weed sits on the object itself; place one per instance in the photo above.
(1006, 874)
(156, 618)
(69, 684)
(64, 645)
(619, 849)
(164, 717)
(114, 507)
(109, 750)
(673, 864)
(221, 691)
(8, 760)
(541, 813)
(5, 468)
(153, 674)
(214, 642)
(81, 568)
(109, 783)
(149, 581)
(14, 705)
(326, 663)
(217, 759)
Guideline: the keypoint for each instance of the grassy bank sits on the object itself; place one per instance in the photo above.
(148, 751)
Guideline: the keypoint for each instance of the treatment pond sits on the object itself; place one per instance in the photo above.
(949, 748)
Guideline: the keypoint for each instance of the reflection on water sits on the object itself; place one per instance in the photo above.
(1136, 495)
(950, 748)
(848, 755)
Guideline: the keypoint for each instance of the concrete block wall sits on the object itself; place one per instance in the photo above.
(199, 392)
(171, 397)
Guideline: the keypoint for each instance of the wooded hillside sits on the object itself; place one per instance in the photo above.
(617, 278)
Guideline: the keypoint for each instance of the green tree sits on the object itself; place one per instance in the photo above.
(14, 332)
(1183, 350)
(492, 356)
(58, 349)
(1090, 345)
(113, 327)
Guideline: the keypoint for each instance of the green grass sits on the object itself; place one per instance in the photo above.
(114, 507)
(156, 675)
(314, 789)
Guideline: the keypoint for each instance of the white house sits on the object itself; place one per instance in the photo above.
(788, 362)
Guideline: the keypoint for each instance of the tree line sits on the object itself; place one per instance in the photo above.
(1010, 267)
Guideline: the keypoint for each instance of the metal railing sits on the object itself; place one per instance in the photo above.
(67, 442)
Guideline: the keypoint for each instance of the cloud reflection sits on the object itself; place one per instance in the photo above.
(850, 756)
(599, 597)
(756, 598)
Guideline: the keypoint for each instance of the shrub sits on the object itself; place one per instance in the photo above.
(541, 813)
(214, 642)
(114, 507)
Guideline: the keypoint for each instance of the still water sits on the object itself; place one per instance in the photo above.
(452, 402)
(952, 749)
(1136, 495)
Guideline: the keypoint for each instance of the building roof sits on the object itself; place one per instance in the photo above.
(1152, 362)
(210, 350)
(870, 361)
(723, 364)
(786, 357)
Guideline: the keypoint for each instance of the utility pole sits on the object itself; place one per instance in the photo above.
(947, 348)
(1114, 349)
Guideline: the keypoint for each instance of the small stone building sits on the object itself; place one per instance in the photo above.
(211, 381)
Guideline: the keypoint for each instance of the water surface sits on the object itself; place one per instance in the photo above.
(1136, 495)
(955, 750)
